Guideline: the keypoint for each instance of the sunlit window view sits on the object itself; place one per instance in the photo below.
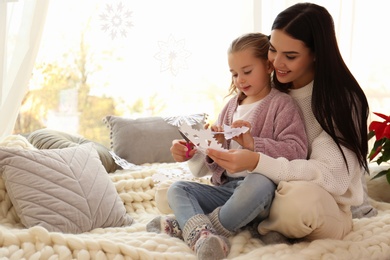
(167, 58)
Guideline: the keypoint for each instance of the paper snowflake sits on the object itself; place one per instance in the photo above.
(116, 20)
(172, 55)
(192, 120)
(202, 138)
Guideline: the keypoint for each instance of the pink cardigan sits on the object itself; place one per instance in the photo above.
(278, 129)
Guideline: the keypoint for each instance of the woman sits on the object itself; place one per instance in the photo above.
(207, 214)
(314, 197)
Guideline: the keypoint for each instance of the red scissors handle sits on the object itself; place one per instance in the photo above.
(188, 144)
(189, 149)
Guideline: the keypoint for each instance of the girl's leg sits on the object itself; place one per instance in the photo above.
(305, 210)
(191, 201)
(188, 199)
(251, 199)
(240, 201)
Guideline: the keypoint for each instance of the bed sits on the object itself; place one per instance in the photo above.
(133, 193)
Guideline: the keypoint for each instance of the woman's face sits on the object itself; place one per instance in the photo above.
(292, 60)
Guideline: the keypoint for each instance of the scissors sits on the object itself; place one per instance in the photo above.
(188, 144)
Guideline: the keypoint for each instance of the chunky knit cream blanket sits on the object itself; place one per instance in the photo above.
(369, 239)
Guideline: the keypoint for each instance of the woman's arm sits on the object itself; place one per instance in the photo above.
(325, 168)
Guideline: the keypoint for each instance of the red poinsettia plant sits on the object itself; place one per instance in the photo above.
(381, 148)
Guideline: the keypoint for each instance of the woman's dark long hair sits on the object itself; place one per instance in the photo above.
(338, 102)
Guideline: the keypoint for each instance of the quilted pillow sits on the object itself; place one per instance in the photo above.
(147, 139)
(63, 190)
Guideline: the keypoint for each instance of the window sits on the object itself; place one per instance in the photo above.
(164, 58)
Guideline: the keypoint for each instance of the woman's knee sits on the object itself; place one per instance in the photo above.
(301, 194)
(303, 209)
(303, 202)
(296, 198)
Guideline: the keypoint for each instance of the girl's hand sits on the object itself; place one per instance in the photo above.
(219, 137)
(246, 139)
(235, 160)
(179, 149)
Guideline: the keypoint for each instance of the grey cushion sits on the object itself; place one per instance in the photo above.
(53, 139)
(63, 190)
(143, 140)
(148, 139)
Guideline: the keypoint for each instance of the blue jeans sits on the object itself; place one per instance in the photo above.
(241, 200)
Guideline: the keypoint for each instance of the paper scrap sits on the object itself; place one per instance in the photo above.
(123, 163)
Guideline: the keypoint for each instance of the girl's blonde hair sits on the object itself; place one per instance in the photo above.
(258, 42)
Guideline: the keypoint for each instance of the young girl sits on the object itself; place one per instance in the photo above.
(208, 214)
(314, 197)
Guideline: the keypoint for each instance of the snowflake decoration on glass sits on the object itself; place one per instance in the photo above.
(116, 21)
(172, 55)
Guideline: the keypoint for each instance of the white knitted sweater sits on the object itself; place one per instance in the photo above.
(325, 166)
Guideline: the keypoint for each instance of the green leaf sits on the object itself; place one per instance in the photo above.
(385, 155)
(381, 173)
(386, 144)
(379, 144)
(370, 135)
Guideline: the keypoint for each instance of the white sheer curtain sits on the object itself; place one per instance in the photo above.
(21, 26)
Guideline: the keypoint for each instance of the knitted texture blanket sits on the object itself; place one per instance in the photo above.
(369, 239)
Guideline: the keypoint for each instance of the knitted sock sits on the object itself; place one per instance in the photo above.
(201, 237)
(211, 247)
(221, 230)
(166, 224)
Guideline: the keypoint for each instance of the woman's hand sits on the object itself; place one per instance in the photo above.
(245, 139)
(179, 149)
(235, 160)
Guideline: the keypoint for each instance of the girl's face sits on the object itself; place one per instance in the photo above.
(250, 74)
(292, 60)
